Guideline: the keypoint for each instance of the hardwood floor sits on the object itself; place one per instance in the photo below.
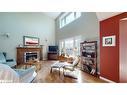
(44, 76)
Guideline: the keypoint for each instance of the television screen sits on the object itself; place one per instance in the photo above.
(53, 48)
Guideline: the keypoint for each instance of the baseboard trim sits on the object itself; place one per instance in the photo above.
(106, 80)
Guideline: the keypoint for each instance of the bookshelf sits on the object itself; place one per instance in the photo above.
(89, 57)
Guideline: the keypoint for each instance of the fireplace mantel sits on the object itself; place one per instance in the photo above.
(22, 50)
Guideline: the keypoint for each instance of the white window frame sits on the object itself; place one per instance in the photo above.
(74, 45)
(64, 16)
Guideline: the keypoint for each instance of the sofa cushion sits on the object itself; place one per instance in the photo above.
(2, 58)
(11, 63)
(7, 74)
(26, 75)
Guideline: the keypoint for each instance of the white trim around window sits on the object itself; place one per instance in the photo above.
(68, 17)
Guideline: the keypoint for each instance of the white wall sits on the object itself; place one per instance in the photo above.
(87, 26)
(20, 24)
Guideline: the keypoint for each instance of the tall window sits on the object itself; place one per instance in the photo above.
(70, 46)
(77, 46)
(67, 18)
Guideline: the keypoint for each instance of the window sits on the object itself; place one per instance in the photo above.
(77, 46)
(70, 46)
(67, 18)
(77, 14)
(61, 46)
(70, 18)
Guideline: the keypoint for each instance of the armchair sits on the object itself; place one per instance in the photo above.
(71, 67)
(9, 62)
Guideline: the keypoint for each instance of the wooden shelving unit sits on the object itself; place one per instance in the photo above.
(89, 57)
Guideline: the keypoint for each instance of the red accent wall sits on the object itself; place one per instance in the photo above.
(109, 56)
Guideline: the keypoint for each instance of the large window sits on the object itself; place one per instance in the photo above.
(70, 46)
(67, 18)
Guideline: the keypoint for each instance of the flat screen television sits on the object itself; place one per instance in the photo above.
(53, 48)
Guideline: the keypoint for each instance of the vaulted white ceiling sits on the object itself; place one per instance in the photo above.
(53, 15)
(104, 15)
(100, 15)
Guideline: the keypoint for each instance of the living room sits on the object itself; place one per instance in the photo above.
(30, 39)
(24, 20)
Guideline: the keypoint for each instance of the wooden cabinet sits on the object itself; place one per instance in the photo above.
(52, 56)
(22, 50)
(89, 57)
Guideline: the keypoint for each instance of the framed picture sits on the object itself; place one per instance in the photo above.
(109, 41)
(30, 41)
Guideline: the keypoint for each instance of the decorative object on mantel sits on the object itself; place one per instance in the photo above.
(30, 41)
(20, 45)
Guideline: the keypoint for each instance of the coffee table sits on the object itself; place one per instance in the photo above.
(36, 64)
(58, 65)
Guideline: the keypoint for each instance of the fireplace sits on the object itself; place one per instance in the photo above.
(24, 54)
(28, 56)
